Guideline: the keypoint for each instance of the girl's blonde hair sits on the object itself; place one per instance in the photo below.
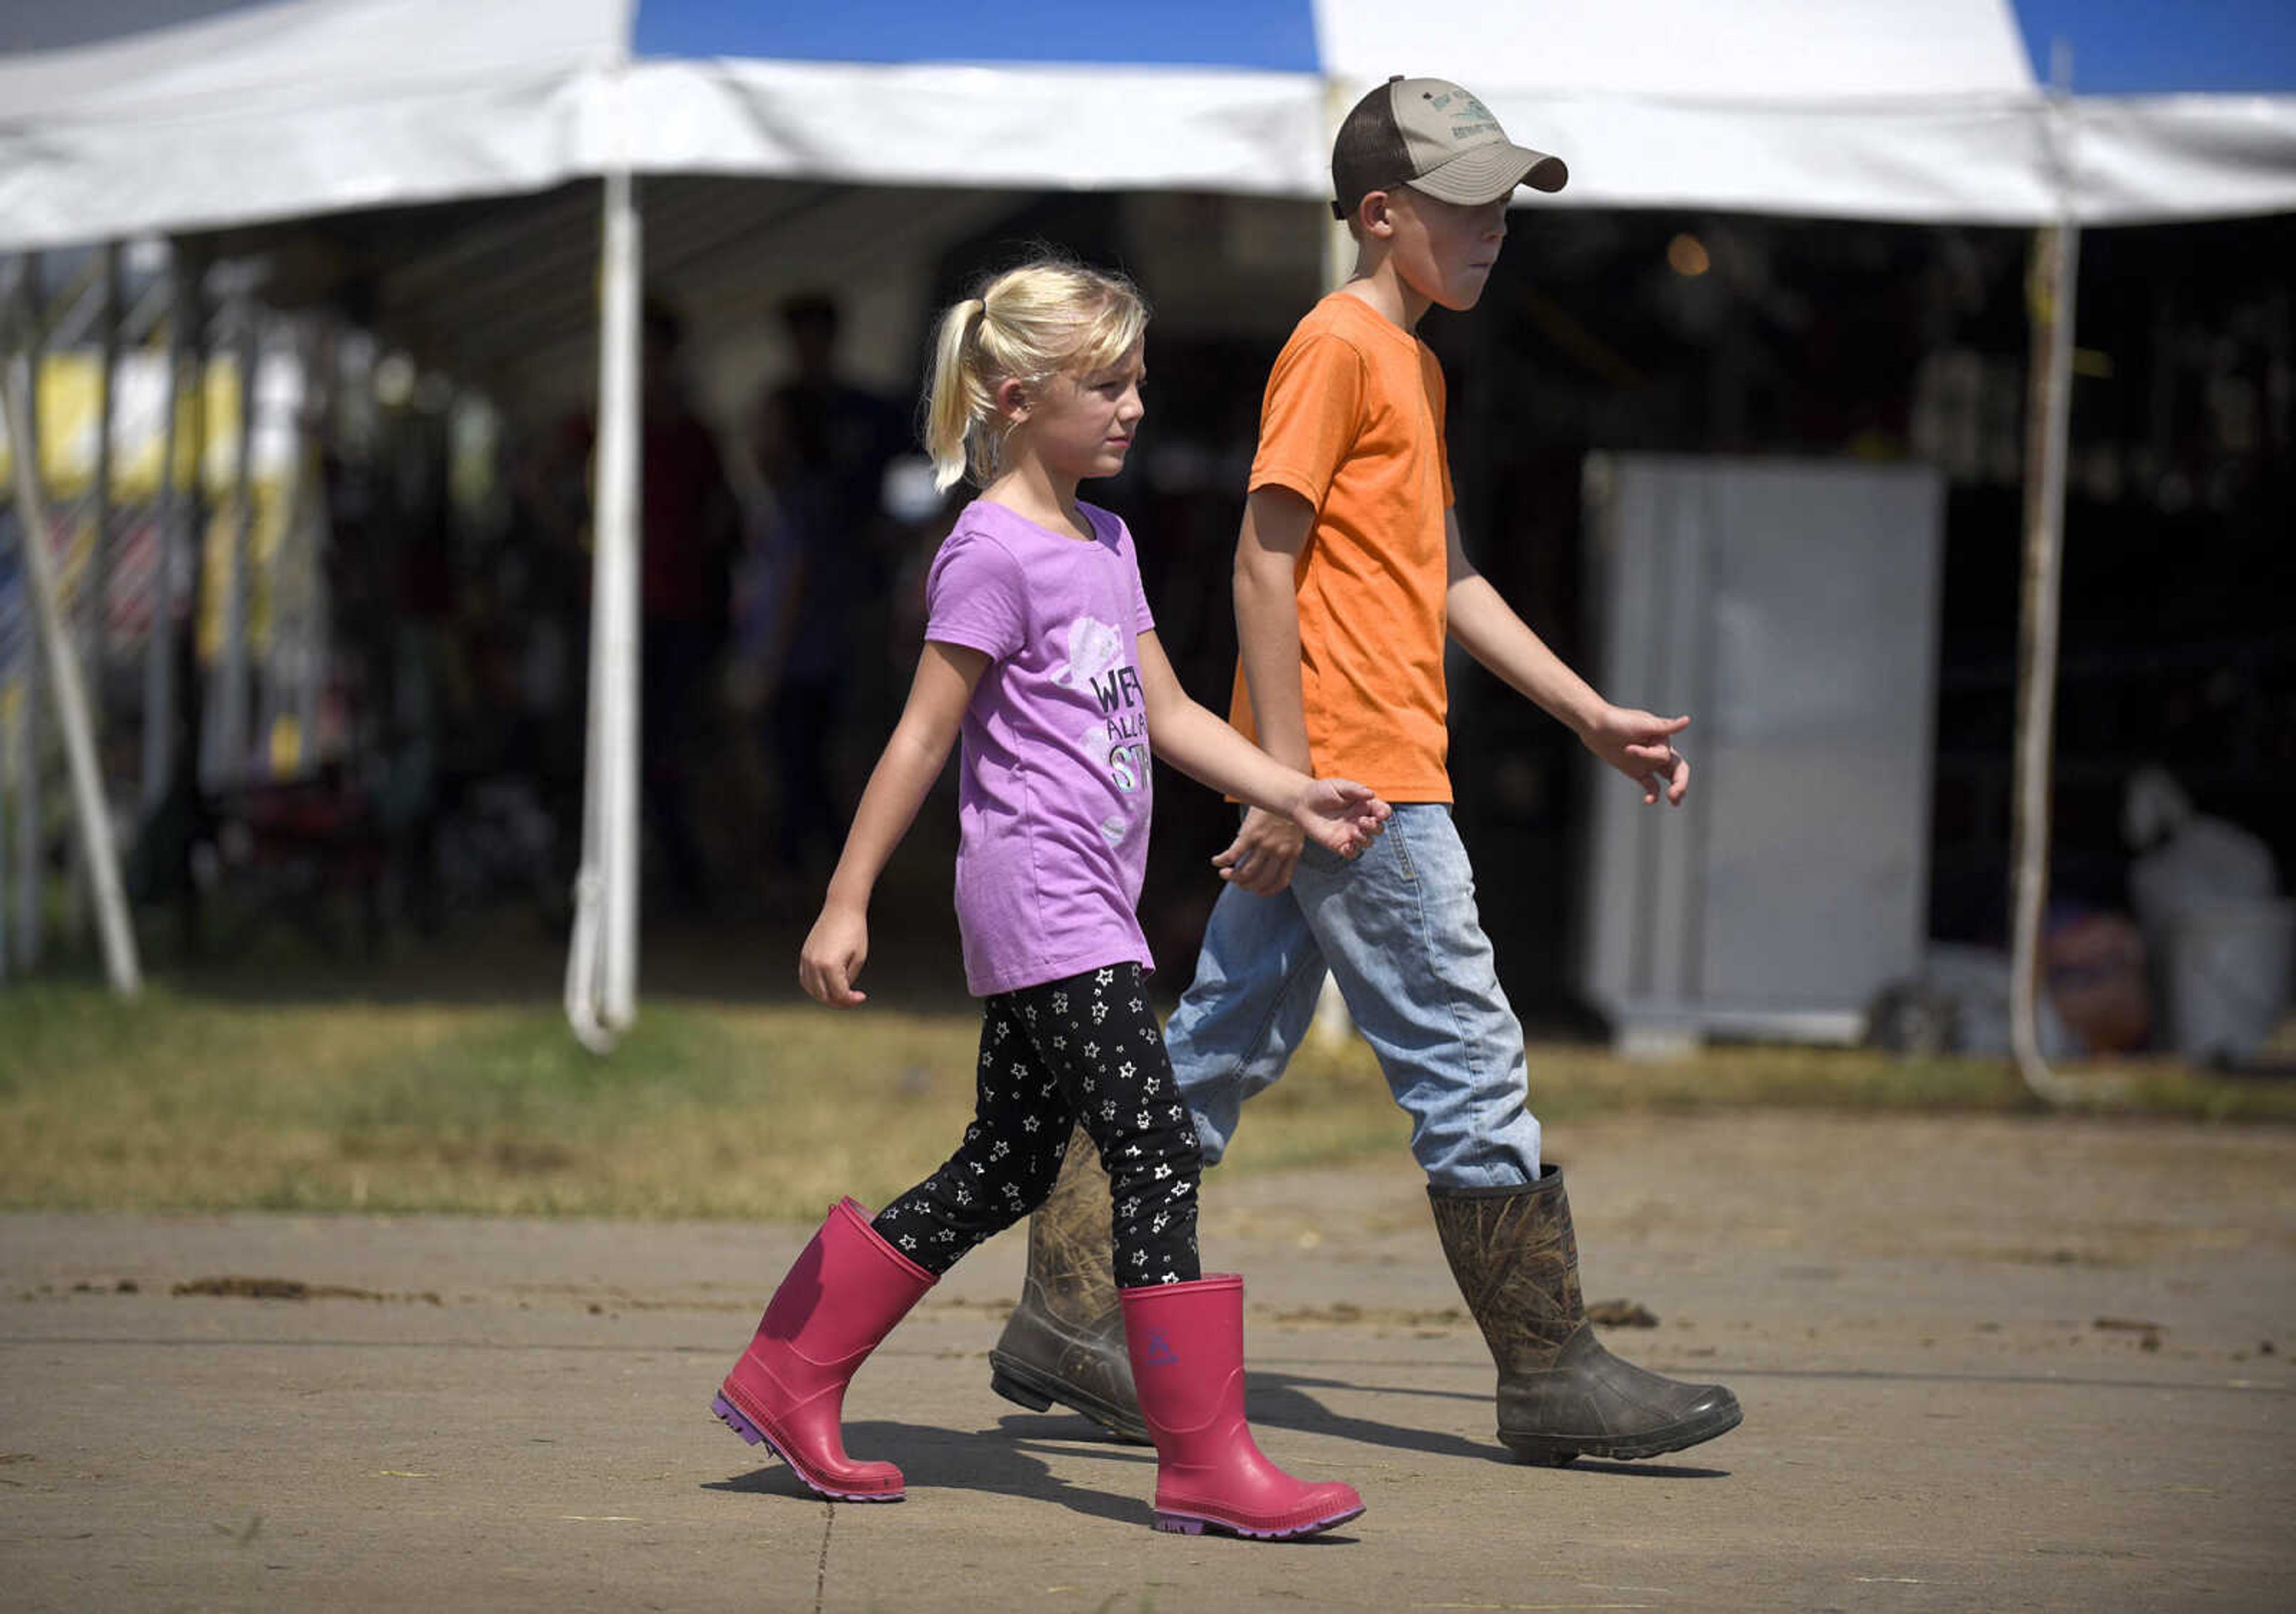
(1047, 317)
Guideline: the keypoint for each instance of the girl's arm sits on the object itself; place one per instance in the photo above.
(1338, 813)
(839, 943)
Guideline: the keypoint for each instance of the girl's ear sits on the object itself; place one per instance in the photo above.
(1012, 400)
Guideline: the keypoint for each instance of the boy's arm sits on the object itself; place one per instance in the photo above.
(1277, 522)
(1339, 813)
(1637, 743)
(838, 945)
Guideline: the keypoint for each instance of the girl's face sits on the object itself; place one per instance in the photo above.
(1081, 425)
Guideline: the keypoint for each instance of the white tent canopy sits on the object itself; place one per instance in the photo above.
(122, 117)
(136, 115)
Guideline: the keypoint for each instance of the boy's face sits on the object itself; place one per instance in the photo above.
(1444, 250)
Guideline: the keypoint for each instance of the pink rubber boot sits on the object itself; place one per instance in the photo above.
(1186, 1345)
(843, 1297)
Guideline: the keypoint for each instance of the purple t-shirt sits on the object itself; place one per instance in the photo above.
(1053, 804)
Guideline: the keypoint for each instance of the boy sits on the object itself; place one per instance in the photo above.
(1349, 575)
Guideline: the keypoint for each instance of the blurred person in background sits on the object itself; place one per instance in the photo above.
(690, 523)
(822, 445)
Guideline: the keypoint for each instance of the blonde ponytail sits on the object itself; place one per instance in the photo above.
(1049, 317)
(955, 397)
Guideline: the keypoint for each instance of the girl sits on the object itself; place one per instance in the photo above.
(1040, 650)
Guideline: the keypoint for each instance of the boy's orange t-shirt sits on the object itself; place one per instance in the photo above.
(1352, 422)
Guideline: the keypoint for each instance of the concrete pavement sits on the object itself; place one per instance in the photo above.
(1987, 1363)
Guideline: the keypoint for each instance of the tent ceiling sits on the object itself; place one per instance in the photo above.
(504, 292)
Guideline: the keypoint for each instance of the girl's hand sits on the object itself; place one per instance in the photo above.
(1641, 746)
(834, 951)
(1341, 815)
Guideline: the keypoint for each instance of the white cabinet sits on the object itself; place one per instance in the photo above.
(1790, 606)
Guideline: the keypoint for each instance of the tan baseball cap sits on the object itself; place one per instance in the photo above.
(1432, 135)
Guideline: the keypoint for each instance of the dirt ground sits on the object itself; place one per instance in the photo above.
(1987, 1363)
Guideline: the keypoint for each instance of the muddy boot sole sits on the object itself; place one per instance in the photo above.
(1553, 1451)
(1027, 1385)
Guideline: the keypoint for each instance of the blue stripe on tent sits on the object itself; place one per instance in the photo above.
(1277, 34)
(2136, 48)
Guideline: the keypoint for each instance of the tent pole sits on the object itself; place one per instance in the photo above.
(320, 375)
(31, 892)
(1333, 1025)
(97, 848)
(602, 960)
(96, 578)
(167, 538)
(2052, 286)
(227, 751)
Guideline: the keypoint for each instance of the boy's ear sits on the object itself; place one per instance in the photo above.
(1373, 220)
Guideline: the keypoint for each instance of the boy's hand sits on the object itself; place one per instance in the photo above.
(1341, 815)
(1641, 746)
(1261, 856)
(834, 951)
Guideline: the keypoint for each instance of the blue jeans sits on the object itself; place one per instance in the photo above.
(1397, 930)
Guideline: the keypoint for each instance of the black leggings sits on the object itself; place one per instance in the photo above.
(1085, 1049)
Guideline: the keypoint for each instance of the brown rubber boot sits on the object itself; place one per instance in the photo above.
(1064, 1342)
(1561, 1394)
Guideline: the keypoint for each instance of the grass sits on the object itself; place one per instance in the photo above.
(181, 1102)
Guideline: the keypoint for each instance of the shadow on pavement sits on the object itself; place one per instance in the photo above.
(998, 1461)
(946, 1460)
(1277, 1400)
(1641, 1470)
